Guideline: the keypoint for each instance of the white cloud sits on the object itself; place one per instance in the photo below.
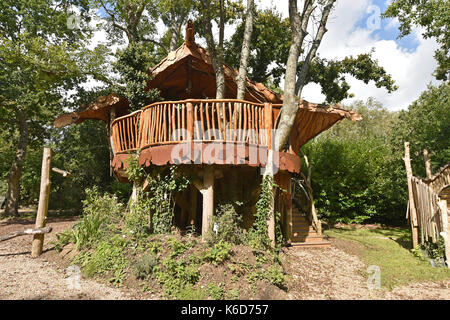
(412, 70)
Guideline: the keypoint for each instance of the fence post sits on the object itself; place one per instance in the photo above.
(446, 236)
(41, 217)
(412, 208)
(427, 159)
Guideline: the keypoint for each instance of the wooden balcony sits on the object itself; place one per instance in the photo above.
(162, 125)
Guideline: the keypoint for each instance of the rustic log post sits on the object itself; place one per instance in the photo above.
(193, 211)
(445, 233)
(190, 121)
(285, 184)
(208, 199)
(41, 217)
(412, 207)
(427, 159)
(25, 232)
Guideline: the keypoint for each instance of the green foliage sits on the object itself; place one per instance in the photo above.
(134, 171)
(330, 74)
(162, 187)
(81, 150)
(389, 249)
(433, 17)
(269, 46)
(426, 125)
(219, 253)
(258, 234)
(99, 214)
(108, 258)
(273, 274)
(435, 250)
(356, 177)
(232, 294)
(176, 277)
(144, 266)
(229, 229)
(178, 247)
(216, 291)
(158, 200)
(133, 64)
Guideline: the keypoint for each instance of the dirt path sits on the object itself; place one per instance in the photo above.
(22, 277)
(334, 274)
(327, 273)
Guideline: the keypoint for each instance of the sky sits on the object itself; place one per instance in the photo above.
(355, 27)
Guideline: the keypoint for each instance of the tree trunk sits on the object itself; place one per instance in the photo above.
(313, 50)
(215, 53)
(15, 173)
(175, 28)
(290, 101)
(245, 52)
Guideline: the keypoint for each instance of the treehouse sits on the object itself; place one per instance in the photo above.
(223, 144)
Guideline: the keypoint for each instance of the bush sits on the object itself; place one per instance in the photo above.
(229, 229)
(219, 253)
(145, 266)
(100, 213)
(107, 257)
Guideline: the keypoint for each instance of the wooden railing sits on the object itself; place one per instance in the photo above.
(194, 120)
(126, 132)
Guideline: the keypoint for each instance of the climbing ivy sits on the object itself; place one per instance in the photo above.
(154, 209)
(258, 235)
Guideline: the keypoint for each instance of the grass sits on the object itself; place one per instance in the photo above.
(390, 250)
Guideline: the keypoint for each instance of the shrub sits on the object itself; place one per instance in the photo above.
(219, 253)
(100, 212)
(144, 267)
(229, 229)
(107, 257)
(216, 291)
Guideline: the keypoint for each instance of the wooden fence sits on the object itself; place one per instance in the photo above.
(431, 217)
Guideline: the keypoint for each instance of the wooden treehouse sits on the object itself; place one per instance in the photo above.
(222, 143)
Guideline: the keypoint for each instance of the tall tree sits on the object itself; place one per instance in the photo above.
(174, 15)
(293, 86)
(42, 56)
(434, 19)
(215, 50)
(132, 23)
(245, 52)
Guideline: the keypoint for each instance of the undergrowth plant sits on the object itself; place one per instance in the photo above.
(228, 228)
(101, 213)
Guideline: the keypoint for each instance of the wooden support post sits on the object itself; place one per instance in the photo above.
(427, 159)
(208, 199)
(41, 218)
(412, 207)
(445, 234)
(193, 211)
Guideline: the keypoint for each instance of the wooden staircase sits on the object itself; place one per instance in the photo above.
(303, 233)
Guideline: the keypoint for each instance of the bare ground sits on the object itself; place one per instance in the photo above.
(330, 273)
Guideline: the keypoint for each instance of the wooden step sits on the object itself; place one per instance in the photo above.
(322, 244)
(307, 240)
